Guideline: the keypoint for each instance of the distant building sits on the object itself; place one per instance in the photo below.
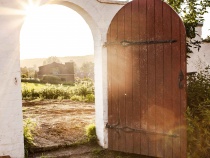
(64, 71)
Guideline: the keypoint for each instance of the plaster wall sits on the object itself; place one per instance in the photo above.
(98, 16)
(199, 59)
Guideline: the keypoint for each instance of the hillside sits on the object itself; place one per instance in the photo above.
(79, 60)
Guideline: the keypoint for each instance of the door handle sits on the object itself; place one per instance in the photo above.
(181, 78)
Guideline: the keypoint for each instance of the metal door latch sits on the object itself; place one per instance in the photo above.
(181, 78)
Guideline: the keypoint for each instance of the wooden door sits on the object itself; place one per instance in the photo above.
(146, 46)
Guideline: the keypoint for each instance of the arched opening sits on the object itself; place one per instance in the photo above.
(98, 16)
(43, 42)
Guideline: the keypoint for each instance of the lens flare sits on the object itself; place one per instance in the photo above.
(30, 9)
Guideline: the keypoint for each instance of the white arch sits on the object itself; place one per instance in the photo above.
(98, 16)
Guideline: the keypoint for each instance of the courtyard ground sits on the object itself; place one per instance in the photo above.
(60, 130)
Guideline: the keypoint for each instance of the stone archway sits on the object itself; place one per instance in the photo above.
(98, 16)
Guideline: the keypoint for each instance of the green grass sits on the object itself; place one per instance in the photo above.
(81, 91)
(39, 86)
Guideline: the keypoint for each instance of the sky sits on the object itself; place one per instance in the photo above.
(54, 30)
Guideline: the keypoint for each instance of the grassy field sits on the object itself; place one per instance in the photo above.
(30, 86)
(39, 86)
(81, 91)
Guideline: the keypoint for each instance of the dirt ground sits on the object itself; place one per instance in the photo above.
(58, 122)
(59, 125)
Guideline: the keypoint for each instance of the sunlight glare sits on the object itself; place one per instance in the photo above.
(55, 30)
(30, 9)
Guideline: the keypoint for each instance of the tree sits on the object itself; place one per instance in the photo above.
(192, 13)
(51, 60)
(87, 69)
(31, 72)
(24, 72)
(28, 72)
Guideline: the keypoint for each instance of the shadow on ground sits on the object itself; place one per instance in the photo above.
(83, 151)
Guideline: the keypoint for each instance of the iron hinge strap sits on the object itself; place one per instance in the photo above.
(129, 129)
(128, 43)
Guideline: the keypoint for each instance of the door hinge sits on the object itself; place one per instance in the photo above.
(129, 129)
(129, 43)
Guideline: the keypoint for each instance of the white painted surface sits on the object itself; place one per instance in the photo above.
(199, 59)
(98, 16)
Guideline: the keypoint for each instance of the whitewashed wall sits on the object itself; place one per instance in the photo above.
(11, 136)
(199, 59)
(98, 16)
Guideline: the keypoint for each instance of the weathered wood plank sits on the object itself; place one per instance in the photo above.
(128, 82)
(109, 70)
(136, 76)
(143, 75)
(167, 80)
(113, 96)
(121, 79)
(151, 75)
(183, 132)
(175, 84)
(159, 78)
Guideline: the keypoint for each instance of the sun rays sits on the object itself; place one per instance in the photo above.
(23, 9)
(54, 30)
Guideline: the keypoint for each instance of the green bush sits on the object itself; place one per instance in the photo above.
(84, 87)
(198, 88)
(81, 91)
(29, 94)
(23, 76)
(27, 133)
(51, 79)
(91, 133)
(30, 80)
(76, 98)
(198, 131)
(198, 115)
(54, 92)
(90, 98)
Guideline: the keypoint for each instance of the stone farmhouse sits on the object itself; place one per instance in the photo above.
(64, 71)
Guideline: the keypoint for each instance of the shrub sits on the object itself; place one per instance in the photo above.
(81, 91)
(23, 76)
(76, 98)
(198, 88)
(198, 115)
(27, 133)
(51, 79)
(25, 92)
(53, 92)
(198, 131)
(29, 94)
(30, 80)
(91, 133)
(90, 98)
(84, 87)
